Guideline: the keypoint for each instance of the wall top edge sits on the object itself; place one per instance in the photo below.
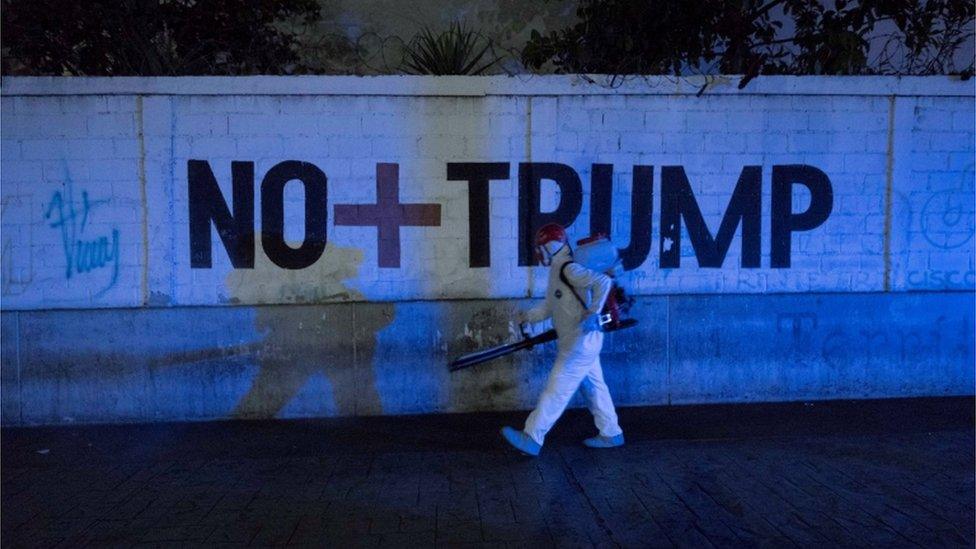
(480, 86)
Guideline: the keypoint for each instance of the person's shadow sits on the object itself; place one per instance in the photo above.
(311, 334)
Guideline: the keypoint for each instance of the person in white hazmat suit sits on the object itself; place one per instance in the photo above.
(579, 343)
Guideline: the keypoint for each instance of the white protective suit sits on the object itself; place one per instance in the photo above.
(579, 344)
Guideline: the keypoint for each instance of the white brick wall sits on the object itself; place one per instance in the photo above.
(124, 144)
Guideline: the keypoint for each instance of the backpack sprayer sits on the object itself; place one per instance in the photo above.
(596, 253)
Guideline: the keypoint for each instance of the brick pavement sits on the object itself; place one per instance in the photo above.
(871, 473)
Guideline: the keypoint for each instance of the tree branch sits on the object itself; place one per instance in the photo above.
(758, 12)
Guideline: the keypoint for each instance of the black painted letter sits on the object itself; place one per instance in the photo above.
(641, 210)
(784, 221)
(678, 201)
(531, 175)
(478, 175)
(273, 214)
(207, 205)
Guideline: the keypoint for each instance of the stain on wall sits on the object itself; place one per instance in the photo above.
(298, 343)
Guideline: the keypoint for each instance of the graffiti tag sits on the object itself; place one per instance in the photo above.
(83, 253)
(16, 273)
(947, 219)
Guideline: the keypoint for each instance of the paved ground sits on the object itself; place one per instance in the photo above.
(891, 473)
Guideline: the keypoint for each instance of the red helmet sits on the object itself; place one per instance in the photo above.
(550, 232)
(549, 239)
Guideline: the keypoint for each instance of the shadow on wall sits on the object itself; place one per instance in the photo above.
(311, 339)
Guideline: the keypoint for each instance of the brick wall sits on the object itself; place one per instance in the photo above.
(898, 155)
(126, 205)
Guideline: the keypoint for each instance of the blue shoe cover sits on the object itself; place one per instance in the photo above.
(521, 441)
(605, 442)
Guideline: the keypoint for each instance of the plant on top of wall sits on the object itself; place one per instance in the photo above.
(458, 50)
(753, 37)
(155, 37)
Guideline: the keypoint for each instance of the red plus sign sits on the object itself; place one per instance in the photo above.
(388, 215)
